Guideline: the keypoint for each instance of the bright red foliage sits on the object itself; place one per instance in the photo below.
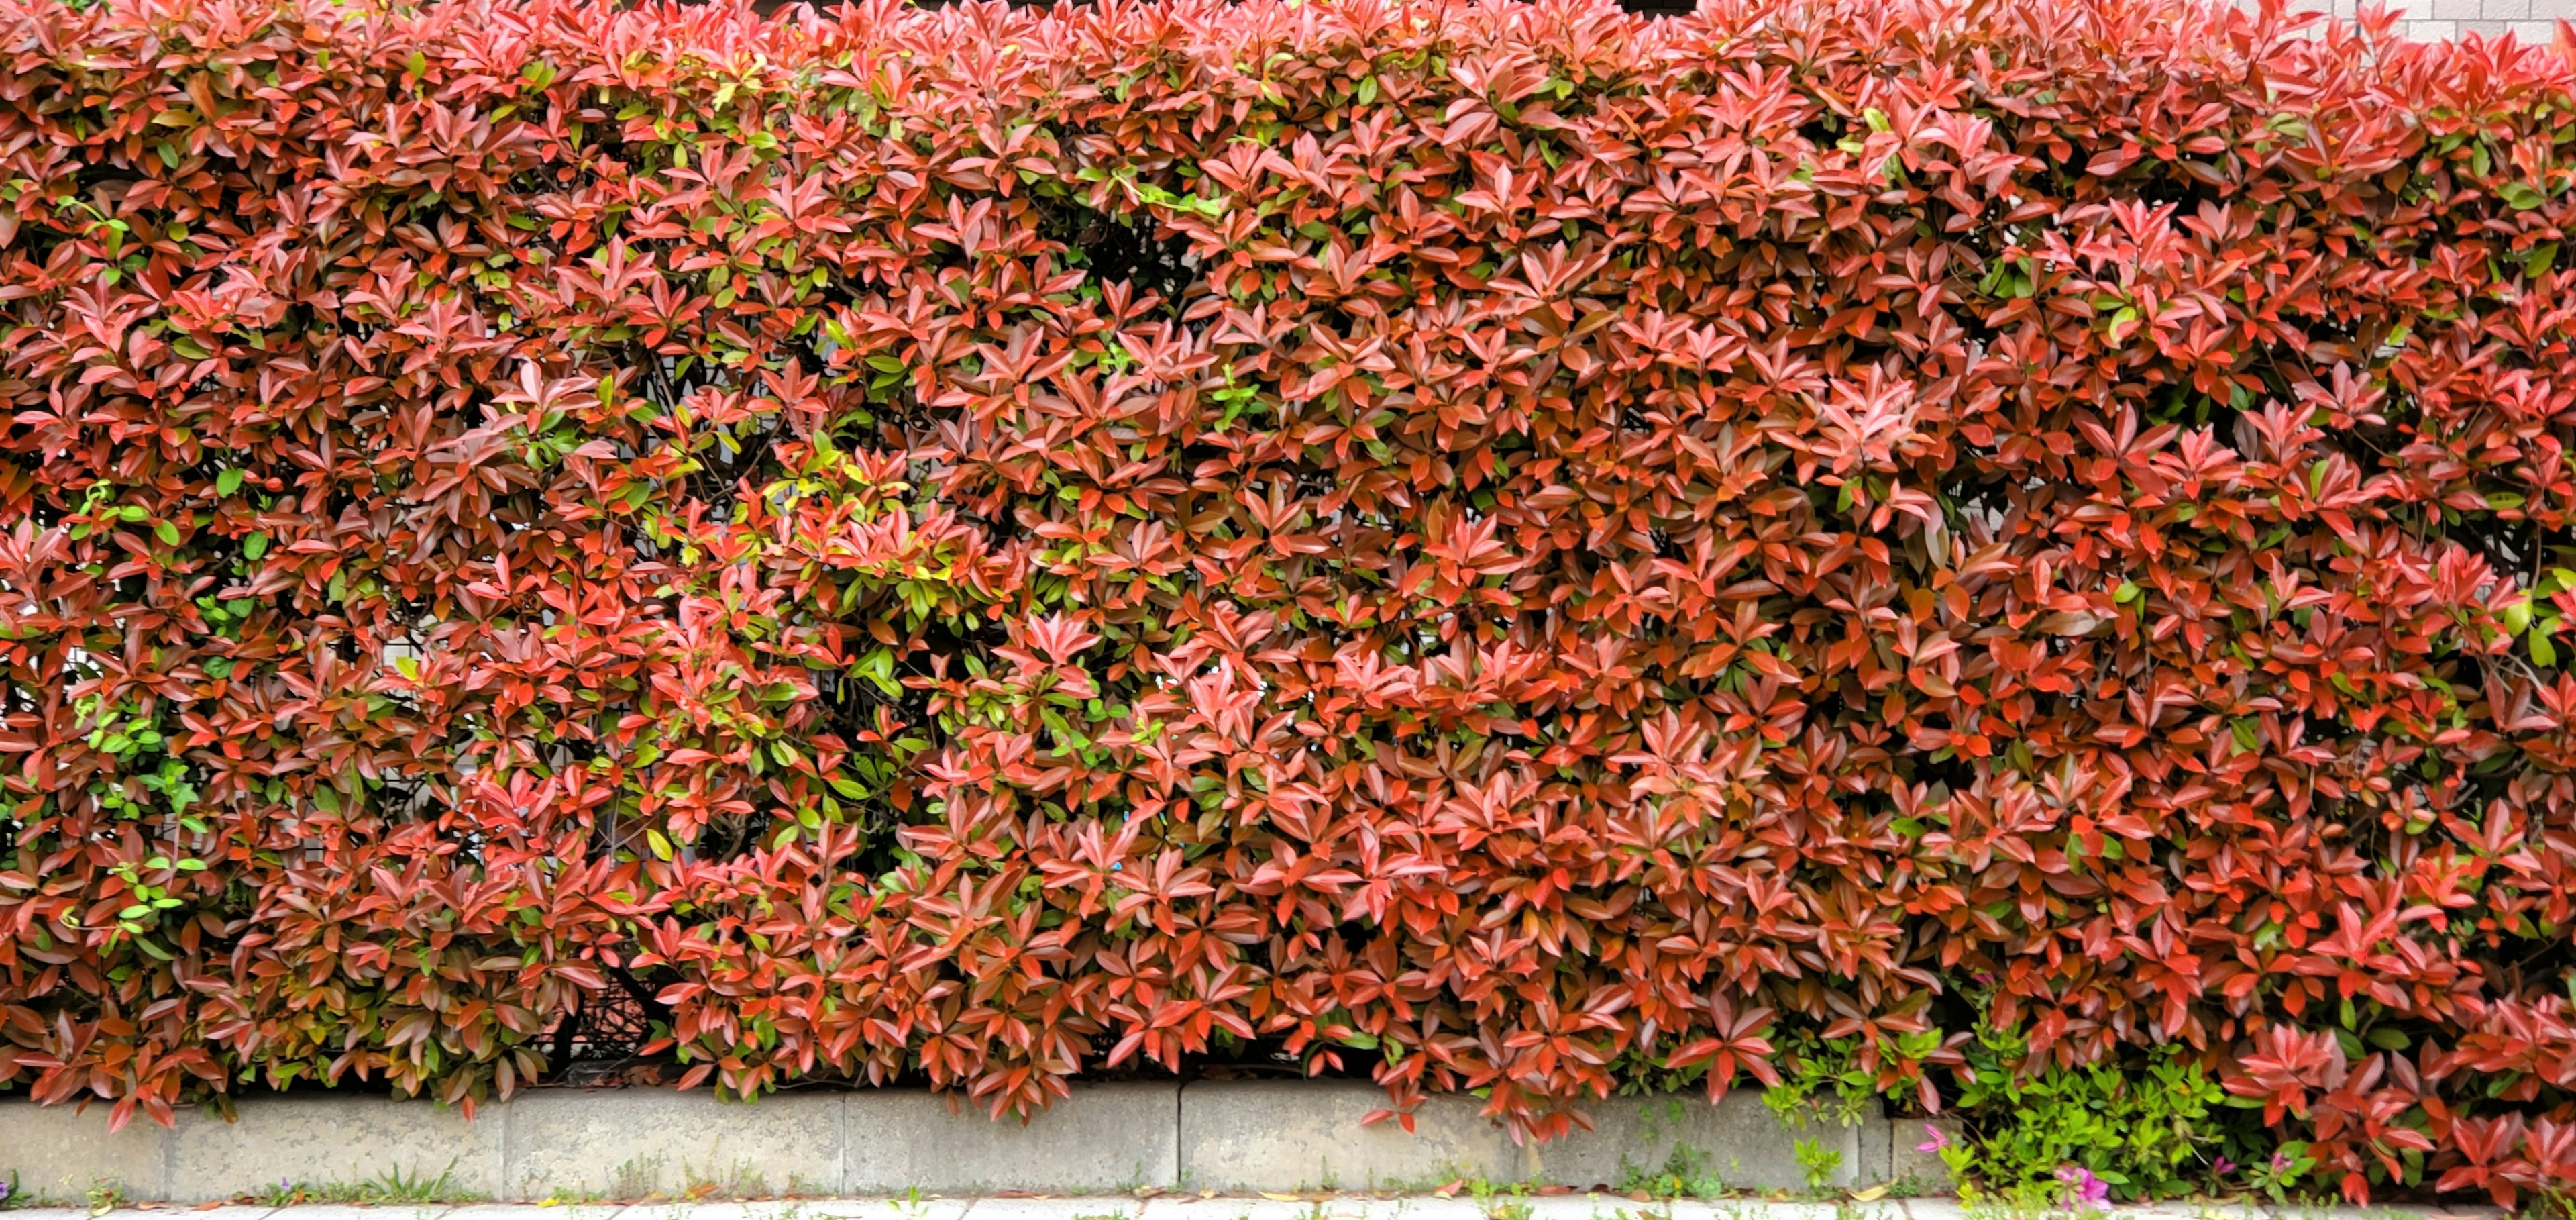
(1507, 545)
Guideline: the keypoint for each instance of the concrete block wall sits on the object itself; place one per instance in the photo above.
(2533, 21)
(2427, 20)
(1306, 1135)
(1105, 1139)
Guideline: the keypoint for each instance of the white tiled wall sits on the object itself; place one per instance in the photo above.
(2533, 21)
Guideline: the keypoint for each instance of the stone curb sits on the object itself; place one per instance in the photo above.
(1188, 1207)
(1106, 1139)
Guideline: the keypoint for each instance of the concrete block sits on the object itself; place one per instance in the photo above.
(1300, 1135)
(1426, 1208)
(1055, 1209)
(1736, 1209)
(1778, 1211)
(1358, 1207)
(1105, 1139)
(342, 1211)
(1876, 1161)
(1287, 1135)
(682, 1209)
(60, 1154)
(1409, 1207)
(524, 1211)
(221, 1211)
(1739, 1142)
(1875, 1209)
(908, 1208)
(1232, 1209)
(1312, 1207)
(1598, 1207)
(328, 1140)
(636, 1143)
(1912, 1167)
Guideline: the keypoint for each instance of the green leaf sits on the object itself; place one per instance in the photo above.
(228, 482)
(2126, 593)
(661, 846)
(2522, 195)
(2515, 616)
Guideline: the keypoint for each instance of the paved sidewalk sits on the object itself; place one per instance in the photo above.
(1266, 1207)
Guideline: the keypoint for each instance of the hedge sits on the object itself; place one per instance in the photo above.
(2008, 556)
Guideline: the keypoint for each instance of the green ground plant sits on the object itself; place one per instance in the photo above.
(391, 1187)
(1509, 1202)
(1685, 1173)
(1820, 1081)
(2154, 1137)
(1818, 1163)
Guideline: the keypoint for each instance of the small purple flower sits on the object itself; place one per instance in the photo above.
(1938, 1141)
(4, 1191)
(2090, 1191)
(2224, 1167)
